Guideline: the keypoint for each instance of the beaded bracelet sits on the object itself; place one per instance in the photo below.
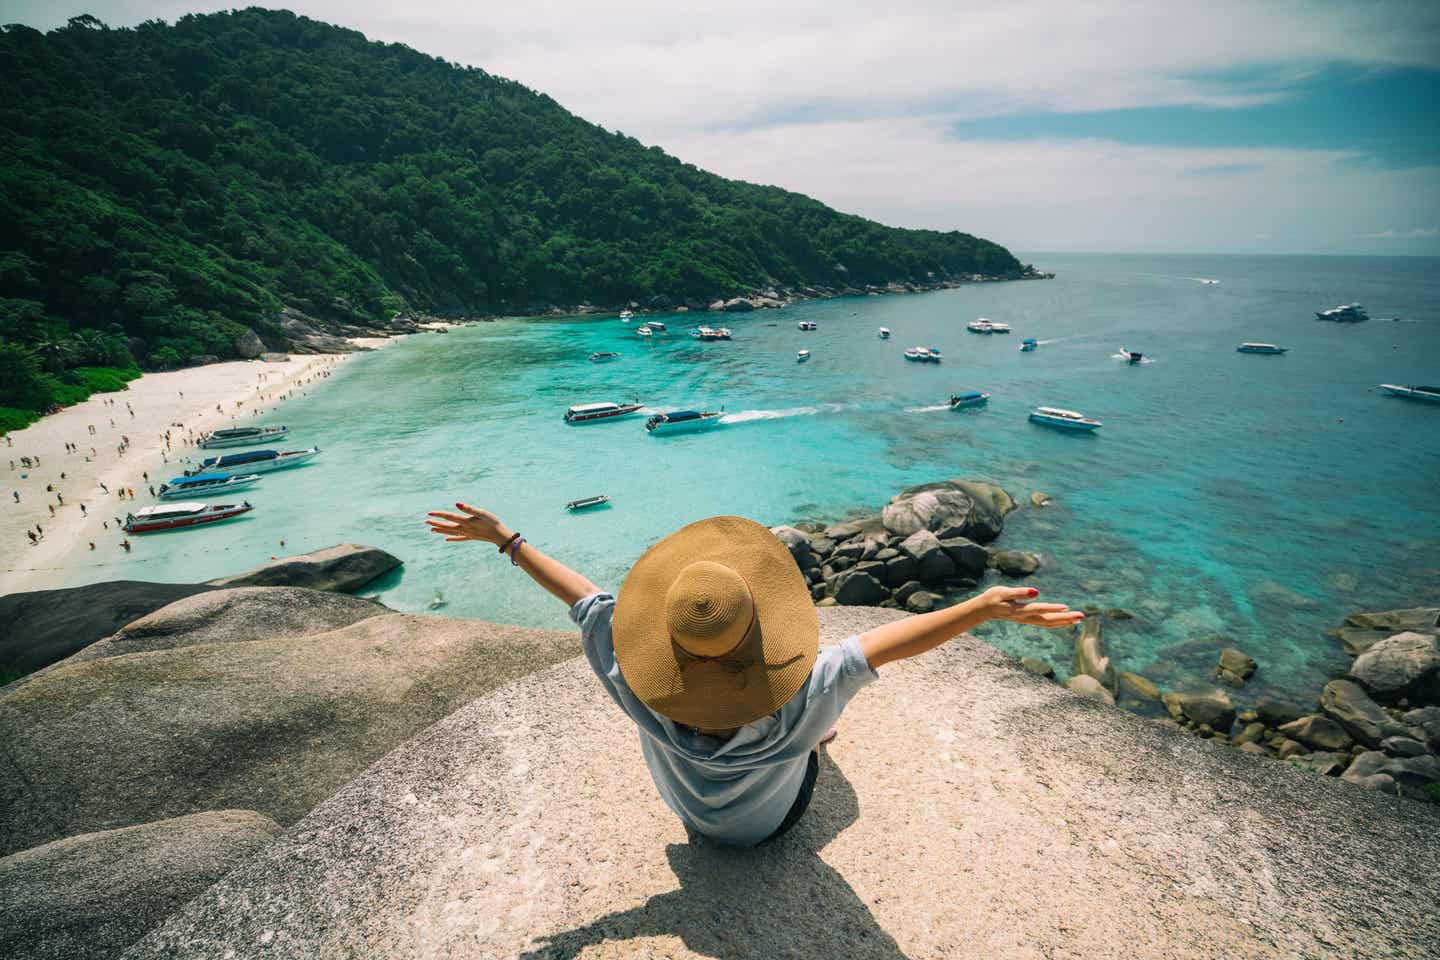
(514, 549)
(506, 545)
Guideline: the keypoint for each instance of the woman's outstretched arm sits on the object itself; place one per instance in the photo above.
(915, 635)
(472, 523)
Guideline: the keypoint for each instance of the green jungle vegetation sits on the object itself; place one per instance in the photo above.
(166, 188)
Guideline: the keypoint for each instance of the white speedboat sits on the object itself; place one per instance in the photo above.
(981, 325)
(711, 333)
(174, 516)
(205, 484)
(801, 356)
(590, 412)
(884, 333)
(655, 325)
(683, 421)
(1029, 344)
(1429, 394)
(626, 316)
(1345, 313)
(586, 503)
(922, 355)
(255, 461)
(997, 327)
(1064, 419)
(241, 437)
(1251, 347)
(604, 356)
(970, 398)
(1131, 356)
(644, 331)
(808, 325)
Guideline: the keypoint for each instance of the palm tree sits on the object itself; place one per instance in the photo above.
(54, 351)
(94, 348)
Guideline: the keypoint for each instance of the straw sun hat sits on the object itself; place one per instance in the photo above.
(714, 626)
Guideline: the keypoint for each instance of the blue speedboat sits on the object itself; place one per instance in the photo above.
(1251, 347)
(1028, 344)
(683, 421)
(971, 398)
(255, 461)
(1064, 419)
(204, 484)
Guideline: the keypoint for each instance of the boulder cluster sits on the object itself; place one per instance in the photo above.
(926, 541)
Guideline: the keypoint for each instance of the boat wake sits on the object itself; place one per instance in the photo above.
(1051, 340)
(930, 409)
(749, 416)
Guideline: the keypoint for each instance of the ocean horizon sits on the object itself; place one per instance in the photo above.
(1255, 498)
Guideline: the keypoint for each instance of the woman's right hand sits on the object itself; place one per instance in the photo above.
(471, 523)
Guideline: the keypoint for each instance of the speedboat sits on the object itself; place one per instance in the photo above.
(808, 325)
(922, 355)
(590, 412)
(681, 421)
(971, 398)
(644, 331)
(1345, 313)
(254, 461)
(604, 356)
(1430, 394)
(585, 503)
(997, 327)
(1249, 347)
(1131, 356)
(708, 333)
(1064, 419)
(174, 516)
(203, 484)
(981, 325)
(801, 356)
(626, 315)
(884, 333)
(655, 325)
(241, 436)
(1028, 344)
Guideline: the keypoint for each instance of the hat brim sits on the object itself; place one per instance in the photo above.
(762, 673)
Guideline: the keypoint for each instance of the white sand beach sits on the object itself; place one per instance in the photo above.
(71, 498)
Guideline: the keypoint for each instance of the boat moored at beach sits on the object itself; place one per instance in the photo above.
(205, 484)
(586, 503)
(1064, 419)
(970, 398)
(590, 412)
(241, 436)
(1345, 313)
(683, 421)
(254, 461)
(808, 325)
(1029, 344)
(1428, 394)
(176, 516)
(1252, 347)
(604, 356)
(801, 356)
(884, 333)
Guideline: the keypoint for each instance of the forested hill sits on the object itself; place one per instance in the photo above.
(165, 187)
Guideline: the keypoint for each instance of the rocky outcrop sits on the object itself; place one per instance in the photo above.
(1318, 732)
(1348, 705)
(93, 895)
(42, 627)
(1362, 630)
(738, 305)
(345, 568)
(1100, 832)
(1404, 666)
(973, 509)
(273, 724)
(249, 345)
(303, 334)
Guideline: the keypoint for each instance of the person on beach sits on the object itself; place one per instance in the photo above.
(33, 539)
(712, 649)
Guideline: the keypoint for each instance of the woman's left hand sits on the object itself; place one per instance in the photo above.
(1010, 603)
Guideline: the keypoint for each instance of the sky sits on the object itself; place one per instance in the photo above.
(1046, 125)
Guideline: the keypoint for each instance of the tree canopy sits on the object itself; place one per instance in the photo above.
(164, 188)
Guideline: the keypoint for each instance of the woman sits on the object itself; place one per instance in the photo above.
(712, 649)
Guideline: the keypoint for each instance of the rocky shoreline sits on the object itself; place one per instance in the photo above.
(1377, 726)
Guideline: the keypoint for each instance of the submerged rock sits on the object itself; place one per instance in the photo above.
(1234, 667)
(1038, 667)
(93, 895)
(1015, 563)
(1138, 686)
(1090, 657)
(1038, 499)
(1090, 688)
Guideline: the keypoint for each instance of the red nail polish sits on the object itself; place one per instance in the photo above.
(1034, 592)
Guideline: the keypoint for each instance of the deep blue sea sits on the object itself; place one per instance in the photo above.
(1255, 497)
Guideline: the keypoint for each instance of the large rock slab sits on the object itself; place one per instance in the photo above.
(93, 895)
(967, 810)
(344, 568)
(1405, 665)
(42, 627)
(1347, 704)
(273, 725)
(972, 509)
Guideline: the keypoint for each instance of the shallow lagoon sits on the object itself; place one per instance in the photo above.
(1224, 495)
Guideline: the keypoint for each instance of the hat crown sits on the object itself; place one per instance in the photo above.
(709, 609)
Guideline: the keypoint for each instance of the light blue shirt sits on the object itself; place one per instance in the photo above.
(737, 790)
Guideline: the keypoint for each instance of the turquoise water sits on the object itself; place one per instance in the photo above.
(1224, 494)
